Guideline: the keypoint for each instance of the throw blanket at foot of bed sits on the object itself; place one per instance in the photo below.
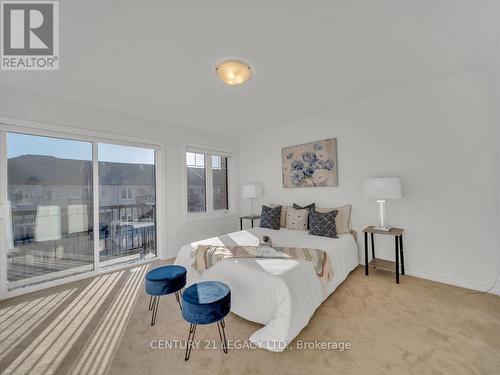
(208, 255)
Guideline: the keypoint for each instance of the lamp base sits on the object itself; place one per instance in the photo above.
(251, 207)
(383, 229)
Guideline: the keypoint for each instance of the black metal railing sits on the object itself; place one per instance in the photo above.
(123, 229)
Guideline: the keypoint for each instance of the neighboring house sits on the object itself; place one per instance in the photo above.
(196, 199)
(127, 191)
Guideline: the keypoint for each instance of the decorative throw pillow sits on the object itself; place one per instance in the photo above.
(323, 224)
(283, 213)
(270, 217)
(310, 207)
(296, 219)
(343, 219)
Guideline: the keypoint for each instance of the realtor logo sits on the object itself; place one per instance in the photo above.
(29, 35)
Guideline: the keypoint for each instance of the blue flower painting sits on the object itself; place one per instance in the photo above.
(309, 157)
(297, 165)
(297, 177)
(311, 164)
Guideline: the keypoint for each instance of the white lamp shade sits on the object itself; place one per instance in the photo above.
(250, 191)
(382, 188)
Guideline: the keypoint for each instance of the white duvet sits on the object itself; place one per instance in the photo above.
(282, 294)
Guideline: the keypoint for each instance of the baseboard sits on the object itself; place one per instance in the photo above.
(451, 280)
(171, 254)
(469, 284)
(496, 289)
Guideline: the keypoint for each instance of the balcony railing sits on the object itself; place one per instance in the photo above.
(124, 230)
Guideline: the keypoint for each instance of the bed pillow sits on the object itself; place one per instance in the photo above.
(343, 219)
(270, 217)
(296, 219)
(283, 213)
(310, 207)
(323, 223)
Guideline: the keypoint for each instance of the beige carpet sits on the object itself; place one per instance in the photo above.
(101, 325)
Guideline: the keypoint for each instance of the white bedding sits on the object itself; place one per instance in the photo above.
(281, 294)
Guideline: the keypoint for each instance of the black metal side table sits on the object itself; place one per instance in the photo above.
(377, 263)
(251, 218)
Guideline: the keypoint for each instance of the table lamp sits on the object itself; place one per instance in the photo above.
(381, 189)
(250, 191)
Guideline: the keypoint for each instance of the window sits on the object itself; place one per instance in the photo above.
(207, 187)
(48, 238)
(126, 193)
(219, 182)
(196, 182)
(76, 194)
(128, 227)
(216, 161)
(72, 206)
(195, 160)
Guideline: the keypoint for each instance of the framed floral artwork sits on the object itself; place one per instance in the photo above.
(310, 164)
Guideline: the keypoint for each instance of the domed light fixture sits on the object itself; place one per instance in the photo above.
(233, 72)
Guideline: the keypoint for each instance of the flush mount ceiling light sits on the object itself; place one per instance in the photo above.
(233, 72)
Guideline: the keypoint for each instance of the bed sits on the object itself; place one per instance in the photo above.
(280, 294)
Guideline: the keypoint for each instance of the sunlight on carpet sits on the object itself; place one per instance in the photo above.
(97, 355)
(46, 352)
(24, 318)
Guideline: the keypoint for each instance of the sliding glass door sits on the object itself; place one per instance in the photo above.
(49, 209)
(127, 203)
(72, 206)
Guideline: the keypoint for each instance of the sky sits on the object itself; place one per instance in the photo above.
(24, 144)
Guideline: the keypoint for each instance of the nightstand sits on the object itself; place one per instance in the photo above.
(251, 218)
(383, 264)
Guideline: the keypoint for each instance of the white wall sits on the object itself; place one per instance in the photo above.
(494, 84)
(438, 137)
(45, 108)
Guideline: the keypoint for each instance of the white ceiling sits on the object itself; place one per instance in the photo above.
(157, 58)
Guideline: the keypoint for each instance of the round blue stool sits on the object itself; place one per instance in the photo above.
(204, 303)
(162, 281)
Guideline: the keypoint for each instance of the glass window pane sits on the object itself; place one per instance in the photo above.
(50, 223)
(200, 160)
(219, 178)
(196, 189)
(190, 159)
(127, 210)
(216, 161)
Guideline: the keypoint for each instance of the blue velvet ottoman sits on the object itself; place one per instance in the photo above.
(205, 303)
(162, 281)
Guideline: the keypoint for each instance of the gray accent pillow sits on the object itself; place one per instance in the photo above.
(270, 217)
(323, 224)
(283, 213)
(343, 218)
